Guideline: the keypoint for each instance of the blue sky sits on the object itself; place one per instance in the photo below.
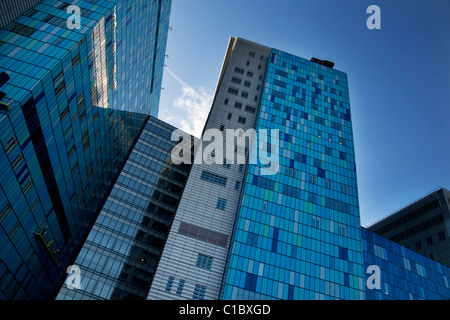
(399, 79)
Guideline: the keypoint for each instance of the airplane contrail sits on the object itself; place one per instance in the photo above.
(184, 84)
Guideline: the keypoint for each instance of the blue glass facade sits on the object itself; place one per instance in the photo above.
(404, 274)
(297, 232)
(75, 103)
(122, 251)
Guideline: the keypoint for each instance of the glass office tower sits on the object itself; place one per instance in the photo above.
(297, 232)
(404, 274)
(288, 228)
(73, 102)
(12, 9)
(123, 249)
(292, 234)
(194, 257)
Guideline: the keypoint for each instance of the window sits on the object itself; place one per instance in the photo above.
(233, 91)
(441, 235)
(76, 60)
(71, 151)
(430, 241)
(244, 94)
(344, 188)
(27, 185)
(17, 162)
(259, 67)
(59, 88)
(249, 74)
(291, 172)
(238, 105)
(261, 57)
(342, 229)
(379, 252)
(407, 264)
(85, 140)
(316, 222)
(203, 234)
(63, 6)
(237, 185)
(80, 101)
(264, 206)
(214, 178)
(258, 87)
(222, 127)
(418, 245)
(241, 168)
(236, 80)
(250, 109)
(260, 77)
(420, 270)
(229, 116)
(12, 143)
(34, 205)
(256, 98)
(242, 120)
(226, 164)
(221, 203)
(75, 168)
(247, 63)
(199, 292)
(180, 286)
(21, 29)
(312, 179)
(247, 84)
(204, 262)
(226, 101)
(64, 113)
(239, 70)
(251, 54)
(6, 210)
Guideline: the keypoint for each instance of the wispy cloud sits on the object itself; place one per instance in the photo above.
(191, 107)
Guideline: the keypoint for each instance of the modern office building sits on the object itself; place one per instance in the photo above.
(403, 273)
(422, 226)
(73, 102)
(288, 228)
(12, 9)
(297, 233)
(244, 233)
(123, 249)
(195, 254)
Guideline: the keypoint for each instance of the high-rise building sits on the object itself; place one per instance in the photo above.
(122, 251)
(294, 234)
(403, 274)
(196, 250)
(74, 99)
(288, 228)
(422, 226)
(12, 9)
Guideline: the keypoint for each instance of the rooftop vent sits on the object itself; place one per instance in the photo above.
(325, 63)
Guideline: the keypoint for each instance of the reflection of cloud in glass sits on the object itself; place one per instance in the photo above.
(101, 75)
